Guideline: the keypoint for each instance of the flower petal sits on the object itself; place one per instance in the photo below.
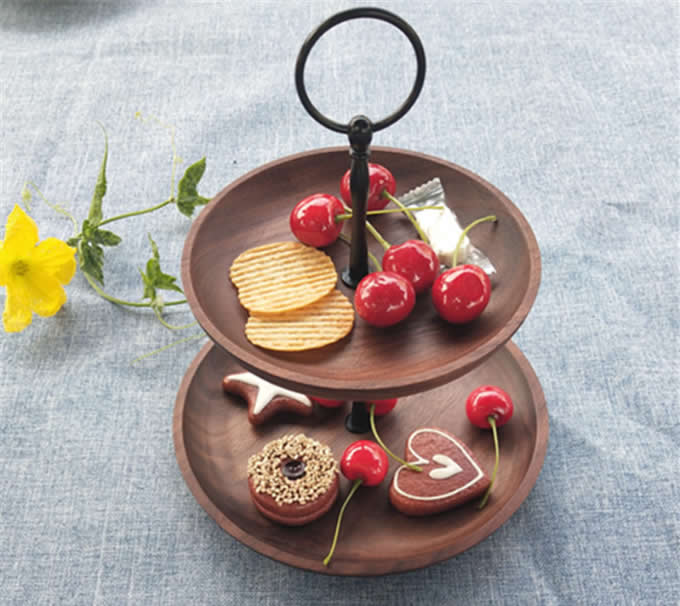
(4, 265)
(21, 233)
(17, 314)
(46, 294)
(55, 258)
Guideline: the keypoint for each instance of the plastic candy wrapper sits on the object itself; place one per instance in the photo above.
(442, 226)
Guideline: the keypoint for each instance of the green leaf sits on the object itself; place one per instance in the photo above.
(87, 230)
(154, 278)
(154, 248)
(73, 241)
(149, 290)
(106, 238)
(95, 215)
(187, 193)
(153, 269)
(166, 282)
(92, 260)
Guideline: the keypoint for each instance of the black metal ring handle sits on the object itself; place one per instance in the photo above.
(359, 13)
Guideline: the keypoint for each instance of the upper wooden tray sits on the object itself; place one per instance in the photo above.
(419, 354)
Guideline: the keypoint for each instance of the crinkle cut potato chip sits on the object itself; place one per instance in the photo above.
(281, 277)
(321, 323)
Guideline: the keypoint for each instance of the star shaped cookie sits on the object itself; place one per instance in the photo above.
(264, 398)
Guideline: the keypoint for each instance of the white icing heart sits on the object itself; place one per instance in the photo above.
(450, 467)
(437, 458)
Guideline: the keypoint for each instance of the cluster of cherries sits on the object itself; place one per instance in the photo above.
(366, 463)
(388, 296)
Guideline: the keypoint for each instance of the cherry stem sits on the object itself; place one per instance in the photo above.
(371, 256)
(494, 431)
(383, 211)
(409, 214)
(376, 234)
(350, 494)
(411, 466)
(465, 232)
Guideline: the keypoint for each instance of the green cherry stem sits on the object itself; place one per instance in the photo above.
(465, 232)
(376, 234)
(409, 214)
(387, 450)
(350, 494)
(347, 240)
(383, 211)
(494, 431)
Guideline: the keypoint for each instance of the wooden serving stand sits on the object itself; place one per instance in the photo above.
(429, 364)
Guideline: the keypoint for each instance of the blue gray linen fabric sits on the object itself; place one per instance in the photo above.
(570, 108)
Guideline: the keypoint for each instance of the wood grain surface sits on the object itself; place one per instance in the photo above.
(421, 353)
(213, 441)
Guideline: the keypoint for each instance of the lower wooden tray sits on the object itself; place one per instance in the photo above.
(213, 441)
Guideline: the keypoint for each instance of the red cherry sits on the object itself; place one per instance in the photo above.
(382, 407)
(313, 222)
(415, 260)
(364, 461)
(328, 403)
(379, 179)
(489, 401)
(461, 293)
(384, 298)
(489, 407)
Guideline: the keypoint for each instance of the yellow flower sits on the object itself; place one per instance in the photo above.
(32, 273)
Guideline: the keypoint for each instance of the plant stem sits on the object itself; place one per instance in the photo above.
(171, 326)
(118, 301)
(408, 213)
(494, 431)
(137, 212)
(464, 233)
(371, 256)
(411, 466)
(55, 207)
(354, 488)
(168, 346)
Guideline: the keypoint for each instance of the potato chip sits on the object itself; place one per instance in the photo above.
(283, 276)
(323, 322)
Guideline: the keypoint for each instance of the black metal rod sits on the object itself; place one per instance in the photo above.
(360, 129)
(358, 421)
(360, 135)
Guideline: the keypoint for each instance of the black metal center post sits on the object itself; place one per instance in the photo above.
(360, 129)
(360, 132)
(360, 135)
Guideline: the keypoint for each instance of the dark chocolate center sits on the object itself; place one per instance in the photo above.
(293, 469)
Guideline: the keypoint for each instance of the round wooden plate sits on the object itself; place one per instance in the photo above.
(213, 441)
(413, 356)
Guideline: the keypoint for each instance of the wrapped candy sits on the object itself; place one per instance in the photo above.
(442, 226)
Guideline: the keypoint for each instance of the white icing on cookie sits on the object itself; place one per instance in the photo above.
(450, 467)
(422, 461)
(267, 391)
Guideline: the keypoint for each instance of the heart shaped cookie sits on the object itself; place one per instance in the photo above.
(450, 474)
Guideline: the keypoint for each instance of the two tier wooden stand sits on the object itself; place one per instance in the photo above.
(429, 364)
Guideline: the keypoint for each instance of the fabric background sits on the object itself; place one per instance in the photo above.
(570, 108)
